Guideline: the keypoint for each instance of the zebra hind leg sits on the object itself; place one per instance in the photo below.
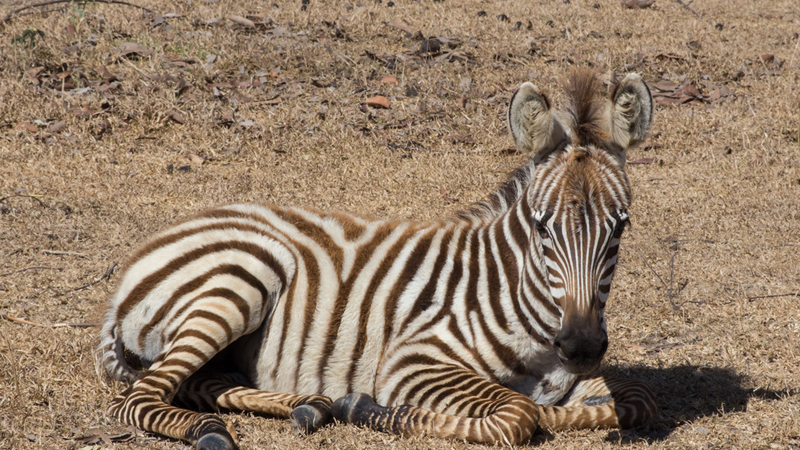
(214, 391)
(207, 328)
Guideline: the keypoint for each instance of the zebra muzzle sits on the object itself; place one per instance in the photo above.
(580, 349)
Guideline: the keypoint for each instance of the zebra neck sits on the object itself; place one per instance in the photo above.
(511, 276)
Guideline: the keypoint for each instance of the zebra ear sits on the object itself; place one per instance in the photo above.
(631, 113)
(535, 128)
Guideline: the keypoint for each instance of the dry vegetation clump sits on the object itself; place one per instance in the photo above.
(115, 122)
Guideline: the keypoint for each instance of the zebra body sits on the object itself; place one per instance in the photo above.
(477, 321)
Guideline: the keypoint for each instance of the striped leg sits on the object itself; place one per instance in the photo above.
(209, 326)
(605, 403)
(505, 417)
(210, 391)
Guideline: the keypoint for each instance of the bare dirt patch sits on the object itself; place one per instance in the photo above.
(115, 122)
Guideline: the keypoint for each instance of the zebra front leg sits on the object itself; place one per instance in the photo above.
(212, 391)
(599, 402)
(460, 405)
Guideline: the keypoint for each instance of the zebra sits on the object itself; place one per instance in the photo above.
(483, 326)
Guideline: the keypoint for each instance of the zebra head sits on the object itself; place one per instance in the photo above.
(578, 199)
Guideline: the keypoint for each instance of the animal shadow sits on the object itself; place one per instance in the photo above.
(686, 393)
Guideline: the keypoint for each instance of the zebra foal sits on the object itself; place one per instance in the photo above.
(482, 327)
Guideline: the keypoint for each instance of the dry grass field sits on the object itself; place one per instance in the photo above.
(115, 121)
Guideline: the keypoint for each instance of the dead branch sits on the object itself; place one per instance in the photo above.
(22, 321)
(414, 146)
(671, 291)
(63, 253)
(35, 197)
(55, 325)
(790, 294)
(28, 268)
(75, 324)
(16, 12)
(105, 275)
(687, 7)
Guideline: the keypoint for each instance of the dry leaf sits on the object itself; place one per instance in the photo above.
(637, 4)
(767, 58)
(461, 139)
(636, 347)
(400, 25)
(671, 101)
(388, 79)
(33, 73)
(241, 21)
(27, 126)
(378, 101)
(691, 90)
(105, 73)
(666, 85)
(132, 48)
(55, 127)
(86, 111)
(195, 158)
(176, 116)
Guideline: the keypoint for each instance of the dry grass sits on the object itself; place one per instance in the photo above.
(716, 214)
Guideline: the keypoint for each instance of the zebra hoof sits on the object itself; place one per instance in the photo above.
(306, 419)
(216, 441)
(348, 408)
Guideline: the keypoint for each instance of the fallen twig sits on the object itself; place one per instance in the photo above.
(55, 325)
(28, 268)
(63, 253)
(105, 275)
(22, 321)
(35, 197)
(790, 294)
(55, 2)
(671, 292)
(687, 7)
(414, 146)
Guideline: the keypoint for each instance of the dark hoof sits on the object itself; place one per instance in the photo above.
(346, 408)
(306, 419)
(216, 441)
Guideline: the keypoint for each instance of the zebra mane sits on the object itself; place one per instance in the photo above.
(587, 108)
(501, 199)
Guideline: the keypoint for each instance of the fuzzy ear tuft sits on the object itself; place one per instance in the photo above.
(536, 130)
(632, 112)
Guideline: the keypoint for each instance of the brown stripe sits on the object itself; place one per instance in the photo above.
(197, 334)
(312, 280)
(287, 314)
(363, 257)
(225, 293)
(493, 279)
(194, 284)
(428, 365)
(352, 229)
(426, 296)
(528, 304)
(151, 281)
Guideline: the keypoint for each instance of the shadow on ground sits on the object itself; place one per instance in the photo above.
(686, 393)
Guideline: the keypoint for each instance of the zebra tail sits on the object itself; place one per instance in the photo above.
(113, 353)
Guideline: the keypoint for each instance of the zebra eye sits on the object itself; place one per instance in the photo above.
(541, 229)
(623, 223)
